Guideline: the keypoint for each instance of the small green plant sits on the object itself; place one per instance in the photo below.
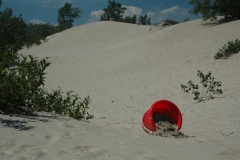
(209, 87)
(71, 105)
(22, 85)
(232, 47)
(172, 22)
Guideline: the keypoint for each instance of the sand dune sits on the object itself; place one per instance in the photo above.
(125, 68)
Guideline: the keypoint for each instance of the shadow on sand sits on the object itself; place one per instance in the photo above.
(24, 117)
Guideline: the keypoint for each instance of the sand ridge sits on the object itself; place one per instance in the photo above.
(125, 68)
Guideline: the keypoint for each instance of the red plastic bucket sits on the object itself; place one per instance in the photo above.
(165, 107)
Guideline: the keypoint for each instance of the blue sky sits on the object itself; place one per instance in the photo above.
(46, 11)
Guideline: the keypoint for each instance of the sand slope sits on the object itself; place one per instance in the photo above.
(125, 68)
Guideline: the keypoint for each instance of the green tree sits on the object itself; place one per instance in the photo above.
(210, 9)
(66, 14)
(129, 19)
(12, 31)
(228, 8)
(37, 32)
(113, 11)
(144, 20)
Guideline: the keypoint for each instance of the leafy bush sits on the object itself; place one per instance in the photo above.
(37, 32)
(22, 85)
(69, 105)
(172, 22)
(232, 47)
(209, 86)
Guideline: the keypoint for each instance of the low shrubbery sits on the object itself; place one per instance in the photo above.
(37, 33)
(22, 85)
(232, 47)
(209, 87)
(172, 22)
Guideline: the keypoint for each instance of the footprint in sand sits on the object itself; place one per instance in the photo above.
(52, 138)
(67, 125)
(85, 148)
(61, 153)
(230, 153)
(72, 135)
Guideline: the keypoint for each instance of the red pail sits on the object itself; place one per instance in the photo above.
(165, 107)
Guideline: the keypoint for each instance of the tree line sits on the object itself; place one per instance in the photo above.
(16, 33)
(209, 9)
(114, 11)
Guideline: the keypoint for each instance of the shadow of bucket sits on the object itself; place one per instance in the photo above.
(165, 107)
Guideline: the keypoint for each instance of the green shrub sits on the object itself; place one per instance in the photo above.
(70, 105)
(35, 33)
(209, 87)
(19, 83)
(232, 47)
(172, 22)
(22, 85)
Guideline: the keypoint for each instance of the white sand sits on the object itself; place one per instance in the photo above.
(125, 68)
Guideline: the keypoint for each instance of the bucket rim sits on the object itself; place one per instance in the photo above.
(179, 126)
(149, 131)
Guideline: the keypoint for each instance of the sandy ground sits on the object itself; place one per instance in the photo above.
(125, 68)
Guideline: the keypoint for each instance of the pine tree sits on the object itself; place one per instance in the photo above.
(66, 14)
